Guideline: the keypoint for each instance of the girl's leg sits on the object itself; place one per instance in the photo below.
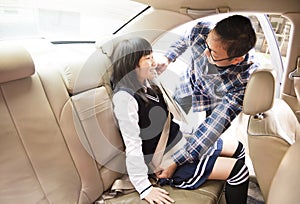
(240, 152)
(222, 168)
(236, 189)
(236, 174)
(233, 148)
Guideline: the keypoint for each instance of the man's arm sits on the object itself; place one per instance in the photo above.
(210, 130)
(190, 37)
(182, 44)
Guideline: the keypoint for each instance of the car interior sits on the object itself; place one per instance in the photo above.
(60, 142)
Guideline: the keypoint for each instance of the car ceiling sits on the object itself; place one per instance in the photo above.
(266, 6)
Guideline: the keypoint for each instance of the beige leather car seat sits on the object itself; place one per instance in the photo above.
(272, 129)
(37, 165)
(285, 185)
(92, 114)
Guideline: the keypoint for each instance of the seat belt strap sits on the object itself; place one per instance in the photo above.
(161, 146)
(172, 105)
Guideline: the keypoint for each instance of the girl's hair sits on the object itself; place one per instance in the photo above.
(237, 35)
(126, 57)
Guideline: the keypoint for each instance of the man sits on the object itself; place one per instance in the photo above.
(215, 82)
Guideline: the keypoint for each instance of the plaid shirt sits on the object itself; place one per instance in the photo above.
(219, 91)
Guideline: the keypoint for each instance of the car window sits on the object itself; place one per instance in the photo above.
(68, 20)
(282, 27)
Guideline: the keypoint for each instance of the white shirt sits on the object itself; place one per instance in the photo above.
(126, 112)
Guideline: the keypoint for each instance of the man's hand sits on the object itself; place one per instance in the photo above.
(162, 64)
(168, 172)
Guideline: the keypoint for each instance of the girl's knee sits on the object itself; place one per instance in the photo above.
(239, 173)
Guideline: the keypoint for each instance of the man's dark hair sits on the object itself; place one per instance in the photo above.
(237, 35)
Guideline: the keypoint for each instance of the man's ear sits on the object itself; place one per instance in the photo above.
(237, 60)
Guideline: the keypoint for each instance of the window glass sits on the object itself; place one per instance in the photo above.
(58, 20)
(273, 33)
(281, 27)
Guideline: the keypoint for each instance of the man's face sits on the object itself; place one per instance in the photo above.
(215, 52)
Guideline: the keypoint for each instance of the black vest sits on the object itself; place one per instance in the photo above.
(152, 117)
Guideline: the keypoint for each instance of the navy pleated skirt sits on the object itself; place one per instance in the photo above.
(193, 175)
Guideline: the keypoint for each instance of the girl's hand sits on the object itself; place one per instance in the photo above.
(158, 195)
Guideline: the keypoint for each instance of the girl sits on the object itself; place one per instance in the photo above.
(141, 112)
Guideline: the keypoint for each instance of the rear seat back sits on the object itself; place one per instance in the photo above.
(36, 165)
(100, 136)
(86, 118)
(91, 186)
(58, 144)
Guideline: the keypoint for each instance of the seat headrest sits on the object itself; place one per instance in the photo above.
(107, 44)
(88, 72)
(85, 73)
(260, 92)
(15, 63)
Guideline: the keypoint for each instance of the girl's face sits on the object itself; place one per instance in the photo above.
(146, 68)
